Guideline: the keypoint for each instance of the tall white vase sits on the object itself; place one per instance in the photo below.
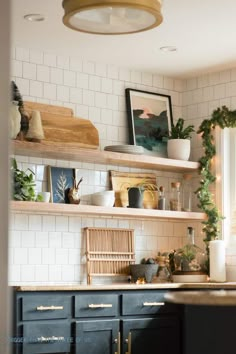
(217, 261)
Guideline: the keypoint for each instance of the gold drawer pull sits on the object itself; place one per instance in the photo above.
(153, 304)
(128, 341)
(49, 308)
(50, 339)
(96, 306)
(117, 341)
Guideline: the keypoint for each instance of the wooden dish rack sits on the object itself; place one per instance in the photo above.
(109, 251)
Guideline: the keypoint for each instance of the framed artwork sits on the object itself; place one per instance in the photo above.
(149, 120)
(59, 180)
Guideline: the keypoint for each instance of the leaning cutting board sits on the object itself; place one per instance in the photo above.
(120, 181)
(60, 126)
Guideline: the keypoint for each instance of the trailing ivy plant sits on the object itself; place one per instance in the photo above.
(223, 118)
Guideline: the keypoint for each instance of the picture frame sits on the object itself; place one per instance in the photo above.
(149, 120)
(59, 180)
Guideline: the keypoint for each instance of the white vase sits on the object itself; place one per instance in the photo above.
(178, 149)
(15, 119)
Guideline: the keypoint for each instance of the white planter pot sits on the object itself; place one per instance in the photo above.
(178, 149)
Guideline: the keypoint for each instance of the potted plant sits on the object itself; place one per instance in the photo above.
(178, 143)
(23, 184)
(136, 193)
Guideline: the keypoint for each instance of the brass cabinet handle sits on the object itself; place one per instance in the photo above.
(153, 304)
(50, 339)
(96, 306)
(128, 341)
(117, 341)
(48, 308)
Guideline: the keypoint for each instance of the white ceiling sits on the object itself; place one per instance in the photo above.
(203, 31)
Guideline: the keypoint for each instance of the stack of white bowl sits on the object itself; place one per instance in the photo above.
(105, 198)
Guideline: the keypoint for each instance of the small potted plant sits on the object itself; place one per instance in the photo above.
(178, 143)
(137, 191)
(23, 184)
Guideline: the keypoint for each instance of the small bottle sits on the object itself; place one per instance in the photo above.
(161, 199)
(187, 193)
(175, 198)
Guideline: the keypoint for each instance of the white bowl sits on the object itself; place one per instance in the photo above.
(103, 198)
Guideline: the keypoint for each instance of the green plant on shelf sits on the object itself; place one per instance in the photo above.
(23, 184)
(179, 132)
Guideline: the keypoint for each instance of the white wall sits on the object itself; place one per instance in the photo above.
(47, 249)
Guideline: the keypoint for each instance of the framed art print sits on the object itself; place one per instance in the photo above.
(60, 179)
(149, 120)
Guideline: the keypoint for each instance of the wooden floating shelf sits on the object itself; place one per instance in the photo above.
(72, 153)
(71, 209)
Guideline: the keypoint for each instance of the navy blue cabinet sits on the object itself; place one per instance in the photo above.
(95, 322)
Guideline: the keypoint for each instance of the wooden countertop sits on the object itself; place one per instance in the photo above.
(127, 286)
(198, 297)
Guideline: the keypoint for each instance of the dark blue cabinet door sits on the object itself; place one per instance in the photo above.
(151, 335)
(97, 337)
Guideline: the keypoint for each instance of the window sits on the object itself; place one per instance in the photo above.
(225, 183)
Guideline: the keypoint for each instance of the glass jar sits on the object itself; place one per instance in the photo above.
(190, 258)
(161, 199)
(175, 197)
(187, 193)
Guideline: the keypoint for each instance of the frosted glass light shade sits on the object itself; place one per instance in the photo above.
(112, 16)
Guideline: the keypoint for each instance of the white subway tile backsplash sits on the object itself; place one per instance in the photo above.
(113, 72)
(124, 74)
(36, 88)
(17, 68)
(94, 83)
(20, 255)
(29, 71)
(50, 59)
(41, 273)
(62, 256)
(34, 256)
(54, 273)
(76, 95)
(69, 78)
(106, 85)
(22, 54)
(27, 239)
(24, 86)
(49, 91)
(56, 76)
(101, 69)
(63, 62)
(61, 223)
(48, 255)
(27, 273)
(89, 67)
(76, 64)
(82, 80)
(43, 73)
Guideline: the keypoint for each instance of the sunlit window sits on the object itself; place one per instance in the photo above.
(226, 184)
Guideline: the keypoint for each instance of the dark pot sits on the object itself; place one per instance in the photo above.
(135, 197)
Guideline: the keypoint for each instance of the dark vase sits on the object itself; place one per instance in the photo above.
(135, 197)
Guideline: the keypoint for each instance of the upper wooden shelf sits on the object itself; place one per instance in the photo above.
(67, 152)
(71, 209)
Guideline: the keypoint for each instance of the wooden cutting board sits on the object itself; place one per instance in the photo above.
(60, 126)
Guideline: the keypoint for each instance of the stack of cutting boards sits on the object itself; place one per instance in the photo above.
(61, 127)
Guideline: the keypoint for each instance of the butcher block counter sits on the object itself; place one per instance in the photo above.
(127, 286)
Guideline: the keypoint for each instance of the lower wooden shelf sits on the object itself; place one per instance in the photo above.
(71, 209)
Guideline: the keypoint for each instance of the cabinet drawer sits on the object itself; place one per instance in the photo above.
(44, 306)
(143, 304)
(46, 337)
(96, 305)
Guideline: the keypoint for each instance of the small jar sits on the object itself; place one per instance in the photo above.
(175, 197)
(161, 199)
(187, 193)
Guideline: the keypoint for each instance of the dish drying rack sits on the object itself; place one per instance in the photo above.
(110, 251)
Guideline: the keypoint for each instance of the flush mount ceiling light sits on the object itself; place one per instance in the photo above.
(112, 16)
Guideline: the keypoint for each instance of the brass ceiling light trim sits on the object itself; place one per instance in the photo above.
(112, 16)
